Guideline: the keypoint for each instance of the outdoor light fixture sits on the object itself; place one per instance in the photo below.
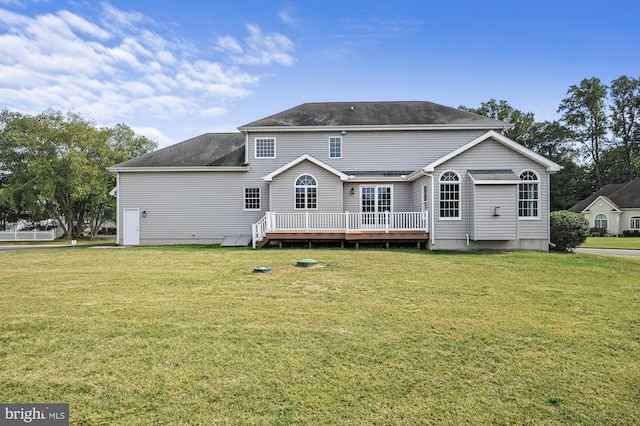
(353, 191)
(144, 213)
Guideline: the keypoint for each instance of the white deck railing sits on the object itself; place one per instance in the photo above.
(340, 222)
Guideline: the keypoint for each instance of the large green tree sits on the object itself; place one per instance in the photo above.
(625, 125)
(54, 166)
(584, 113)
(501, 110)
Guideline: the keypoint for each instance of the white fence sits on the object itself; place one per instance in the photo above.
(34, 235)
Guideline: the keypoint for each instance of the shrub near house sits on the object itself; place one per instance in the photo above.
(568, 230)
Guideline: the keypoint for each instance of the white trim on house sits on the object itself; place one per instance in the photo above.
(305, 157)
(616, 209)
(492, 134)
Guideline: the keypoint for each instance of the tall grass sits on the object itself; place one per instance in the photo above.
(190, 335)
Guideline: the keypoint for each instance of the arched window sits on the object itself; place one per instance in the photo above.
(528, 194)
(601, 221)
(449, 195)
(634, 222)
(306, 192)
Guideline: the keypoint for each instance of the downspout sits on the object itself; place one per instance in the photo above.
(432, 231)
(246, 147)
(469, 196)
(118, 208)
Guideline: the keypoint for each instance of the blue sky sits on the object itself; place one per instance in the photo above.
(173, 70)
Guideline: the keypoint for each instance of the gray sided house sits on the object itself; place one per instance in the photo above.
(356, 172)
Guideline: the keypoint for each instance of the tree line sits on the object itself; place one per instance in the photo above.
(53, 165)
(596, 139)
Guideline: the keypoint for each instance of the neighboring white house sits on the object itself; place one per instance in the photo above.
(357, 171)
(615, 208)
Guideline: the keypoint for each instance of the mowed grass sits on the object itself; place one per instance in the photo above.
(625, 243)
(190, 335)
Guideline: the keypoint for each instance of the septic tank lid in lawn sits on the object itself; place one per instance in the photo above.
(307, 262)
(262, 269)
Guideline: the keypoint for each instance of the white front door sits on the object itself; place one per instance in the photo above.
(131, 227)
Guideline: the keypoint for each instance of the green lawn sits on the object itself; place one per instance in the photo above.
(190, 335)
(627, 243)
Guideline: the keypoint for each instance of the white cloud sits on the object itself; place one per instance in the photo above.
(153, 134)
(116, 68)
(287, 16)
(259, 48)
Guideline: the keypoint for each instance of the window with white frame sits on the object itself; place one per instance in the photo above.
(449, 195)
(425, 199)
(265, 148)
(306, 191)
(634, 222)
(252, 198)
(528, 194)
(335, 147)
(601, 221)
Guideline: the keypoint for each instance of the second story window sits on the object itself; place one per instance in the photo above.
(265, 148)
(306, 192)
(335, 147)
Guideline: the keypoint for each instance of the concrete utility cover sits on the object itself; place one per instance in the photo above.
(236, 241)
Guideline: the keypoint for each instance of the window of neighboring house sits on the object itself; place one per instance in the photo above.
(252, 198)
(335, 147)
(449, 195)
(265, 148)
(306, 192)
(634, 222)
(601, 221)
(528, 194)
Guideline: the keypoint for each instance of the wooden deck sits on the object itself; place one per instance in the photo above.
(342, 226)
(356, 237)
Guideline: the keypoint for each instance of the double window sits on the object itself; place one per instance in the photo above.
(306, 192)
(528, 194)
(449, 195)
(634, 222)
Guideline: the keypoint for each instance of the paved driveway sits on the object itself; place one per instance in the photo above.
(612, 252)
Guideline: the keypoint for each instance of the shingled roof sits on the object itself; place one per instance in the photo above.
(375, 114)
(209, 149)
(622, 195)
